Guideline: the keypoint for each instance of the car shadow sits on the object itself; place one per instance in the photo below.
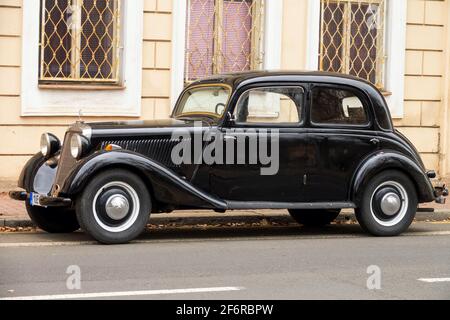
(226, 231)
(237, 232)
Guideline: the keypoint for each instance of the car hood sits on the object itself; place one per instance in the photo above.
(138, 128)
(141, 124)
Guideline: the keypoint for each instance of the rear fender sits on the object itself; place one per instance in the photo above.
(388, 160)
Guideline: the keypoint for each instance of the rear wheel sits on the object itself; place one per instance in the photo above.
(53, 220)
(388, 205)
(114, 207)
(314, 218)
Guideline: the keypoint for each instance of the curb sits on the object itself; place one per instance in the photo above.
(25, 223)
(280, 219)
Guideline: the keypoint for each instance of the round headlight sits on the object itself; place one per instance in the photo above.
(50, 145)
(76, 146)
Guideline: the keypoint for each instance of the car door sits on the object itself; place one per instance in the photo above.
(341, 135)
(270, 165)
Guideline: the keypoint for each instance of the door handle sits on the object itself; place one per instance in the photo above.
(375, 141)
(227, 137)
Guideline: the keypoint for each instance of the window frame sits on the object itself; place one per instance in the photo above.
(347, 48)
(395, 50)
(117, 56)
(235, 102)
(272, 43)
(200, 86)
(124, 100)
(358, 93)
(256, 40)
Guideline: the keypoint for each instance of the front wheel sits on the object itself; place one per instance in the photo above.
(53, 220)
(114, 207)
(388, 205)
(314, 218)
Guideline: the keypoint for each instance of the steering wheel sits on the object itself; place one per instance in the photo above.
(218, 106)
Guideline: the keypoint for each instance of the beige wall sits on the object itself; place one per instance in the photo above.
(10, 44)
(20, 135)
(156, 59)
(445, 111)
(427, 93)
(426, 41)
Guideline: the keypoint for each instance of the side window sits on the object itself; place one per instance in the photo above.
(337, 106)
(279, 105)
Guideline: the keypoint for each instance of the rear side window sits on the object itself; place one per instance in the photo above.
(337, 106)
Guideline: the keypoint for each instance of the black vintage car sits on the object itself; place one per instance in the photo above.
(313, 143)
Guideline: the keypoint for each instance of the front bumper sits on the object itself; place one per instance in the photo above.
(44, 201)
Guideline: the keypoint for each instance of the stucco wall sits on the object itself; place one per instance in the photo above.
(426, 41)
(19, 136)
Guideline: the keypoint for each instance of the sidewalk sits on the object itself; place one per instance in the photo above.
(13, 214)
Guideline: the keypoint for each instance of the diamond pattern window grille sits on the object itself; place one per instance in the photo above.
(80, 41)
(352, 38)
(223, 36)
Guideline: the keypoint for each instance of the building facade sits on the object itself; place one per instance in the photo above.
(129, 59)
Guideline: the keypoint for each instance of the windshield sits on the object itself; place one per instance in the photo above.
(204, 101)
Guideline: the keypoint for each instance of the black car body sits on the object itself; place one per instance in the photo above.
(326, 161)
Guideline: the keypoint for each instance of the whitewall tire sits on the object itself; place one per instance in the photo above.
(114, 207)
(388, 204)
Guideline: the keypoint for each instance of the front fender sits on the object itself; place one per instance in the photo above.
(386, 160)
(37, 175)
(166, 185)
(27, 175)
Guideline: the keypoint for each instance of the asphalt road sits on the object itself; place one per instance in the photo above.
(231, 263)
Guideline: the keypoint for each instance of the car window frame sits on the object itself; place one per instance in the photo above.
(365, 100)
(300, 124)
(199, 86)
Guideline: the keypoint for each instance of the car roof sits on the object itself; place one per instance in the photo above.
(242, 79)
(239, 78)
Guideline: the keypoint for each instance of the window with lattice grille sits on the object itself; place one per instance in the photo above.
(80, 41)
(352, 38)
(223, 36)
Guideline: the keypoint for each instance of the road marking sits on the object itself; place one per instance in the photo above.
(125, 293)
(432, 280)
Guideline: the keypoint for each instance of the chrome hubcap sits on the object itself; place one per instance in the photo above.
(117, 207)
(390, 204)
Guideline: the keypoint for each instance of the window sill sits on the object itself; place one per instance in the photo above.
(80, 87)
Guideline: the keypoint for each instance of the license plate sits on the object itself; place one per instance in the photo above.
(34, 199)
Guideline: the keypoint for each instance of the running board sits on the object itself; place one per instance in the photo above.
(242, 205)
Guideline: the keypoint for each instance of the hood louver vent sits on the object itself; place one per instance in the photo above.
(159, 150)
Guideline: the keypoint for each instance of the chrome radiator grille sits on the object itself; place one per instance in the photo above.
(65, 164)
